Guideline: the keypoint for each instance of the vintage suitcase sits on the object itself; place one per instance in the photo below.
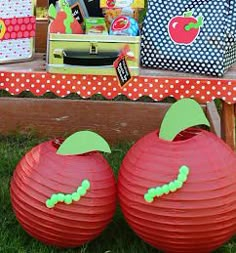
(90, 54)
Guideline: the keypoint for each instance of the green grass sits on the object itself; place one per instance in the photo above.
(117, 238)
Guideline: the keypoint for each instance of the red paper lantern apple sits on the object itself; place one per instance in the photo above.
(179, 193)
(61, 198)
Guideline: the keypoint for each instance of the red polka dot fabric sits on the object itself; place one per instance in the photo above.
(19, 28)
(158, 88)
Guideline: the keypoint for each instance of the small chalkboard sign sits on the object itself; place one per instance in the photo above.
(122, 71)
(77, 13)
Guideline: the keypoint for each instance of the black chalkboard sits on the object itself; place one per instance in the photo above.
(93, 8)
(122, 71)
(77, 13)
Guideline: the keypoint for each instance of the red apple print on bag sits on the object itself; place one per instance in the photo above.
(121, 23)
(185, 29)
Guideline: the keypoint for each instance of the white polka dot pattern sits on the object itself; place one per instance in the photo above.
(213, 51)
(16, 49)
(203, 90)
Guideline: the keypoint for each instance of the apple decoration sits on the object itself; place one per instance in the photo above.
(121, 23)
(64, 193)
(63, 20)
(124, 25)
(177, 186)
(184, 29)
(111, 3)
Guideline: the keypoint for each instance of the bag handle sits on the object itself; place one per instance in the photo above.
(86, 58)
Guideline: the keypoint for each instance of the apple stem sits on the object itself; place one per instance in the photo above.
(188, 14)
(192, 25)
(83, 142)
(183, 114)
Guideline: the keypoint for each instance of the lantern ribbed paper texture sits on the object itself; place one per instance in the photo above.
(201, 215)
(42, 173)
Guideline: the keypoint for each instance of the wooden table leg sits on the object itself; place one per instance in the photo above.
(228, 124)
(214, 118)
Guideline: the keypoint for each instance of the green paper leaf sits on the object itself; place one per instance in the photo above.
(188, 14)
(83, 142)
(183, 114)
(52, 12)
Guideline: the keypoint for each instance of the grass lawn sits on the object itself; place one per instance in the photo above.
(117, 238)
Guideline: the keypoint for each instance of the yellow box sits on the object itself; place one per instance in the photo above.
(135, 4)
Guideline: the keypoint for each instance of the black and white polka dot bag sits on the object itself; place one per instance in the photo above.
(197, 36)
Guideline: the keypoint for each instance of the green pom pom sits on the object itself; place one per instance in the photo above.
(85, 184)
(76, 196)
(178, 184)
(60, 197)
(68, 199)
(182, 178)
(159, 191)
(165, 189)
(54, 198)
(172, 187)
(82, 191)
(49, 203)
(148, 198)
(152, 192)
(184, 170)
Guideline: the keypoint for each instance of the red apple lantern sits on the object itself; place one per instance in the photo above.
(179, 193)
(62, 198)
(184, 29)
